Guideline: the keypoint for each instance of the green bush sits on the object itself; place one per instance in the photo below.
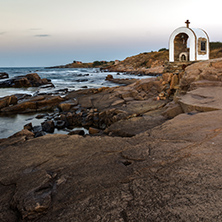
(96, 63)
(163, 49)
(215, 45)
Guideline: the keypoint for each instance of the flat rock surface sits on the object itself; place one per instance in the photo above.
(202, 99)
(169, 173)
(168, 170)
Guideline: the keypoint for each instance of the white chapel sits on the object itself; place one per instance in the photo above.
(188, 44)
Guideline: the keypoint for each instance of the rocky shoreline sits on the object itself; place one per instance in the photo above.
(152, 153)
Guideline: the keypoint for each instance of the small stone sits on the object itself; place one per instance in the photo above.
(23, 132)
(77, 132)
(161, 94)
(48, 126)
(60, 124)
(28, 126)
(93, 130)
(40, 116)
(109, 77)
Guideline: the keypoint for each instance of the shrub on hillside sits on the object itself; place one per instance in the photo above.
(215, 45)
(163, 49)
(96, 63)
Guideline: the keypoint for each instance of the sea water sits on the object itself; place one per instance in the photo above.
(62, 78)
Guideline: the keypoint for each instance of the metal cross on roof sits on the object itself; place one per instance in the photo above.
(187, 22)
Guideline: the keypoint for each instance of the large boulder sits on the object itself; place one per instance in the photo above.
(3, 75)
(48, 126)
(210, 70)
(29, 80)
(35, 104)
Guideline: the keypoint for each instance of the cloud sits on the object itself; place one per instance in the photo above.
(42, 36)
(35, 29)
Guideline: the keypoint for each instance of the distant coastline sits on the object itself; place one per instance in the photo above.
(79, 64)
(147, 63)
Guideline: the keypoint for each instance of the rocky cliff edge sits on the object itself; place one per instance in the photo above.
(168, 172)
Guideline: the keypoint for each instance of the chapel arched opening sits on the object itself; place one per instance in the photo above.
(181, 48)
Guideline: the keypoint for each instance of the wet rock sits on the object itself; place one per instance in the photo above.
(35, 104)
(29, 80)
(49, 102)
(41, 116)
(48, 126)
(40, 133)
(109, 77)
(50, 85)
(81, 80)
(57, 117)
(3, 75)
(7, 101)
(37, 130)
(28, 126)
(93, 131)
(60, 124)
(21, 82)
(60, 91)
(35, 80)
(73, 119)
(83, 75)
(122, 81)
(67, 105)
(77, 132)
(23, 133)
(23, 96)
(110, 116)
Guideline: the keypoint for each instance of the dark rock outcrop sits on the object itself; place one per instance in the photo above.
(7, 101)
(29, 80)
(48, 126)
(34, 104)
(3, 75)
(120, 81)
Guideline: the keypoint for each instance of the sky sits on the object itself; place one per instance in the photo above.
(36, 33)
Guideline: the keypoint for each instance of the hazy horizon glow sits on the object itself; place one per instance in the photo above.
(54, 32)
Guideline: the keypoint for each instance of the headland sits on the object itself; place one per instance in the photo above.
(153, 152)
